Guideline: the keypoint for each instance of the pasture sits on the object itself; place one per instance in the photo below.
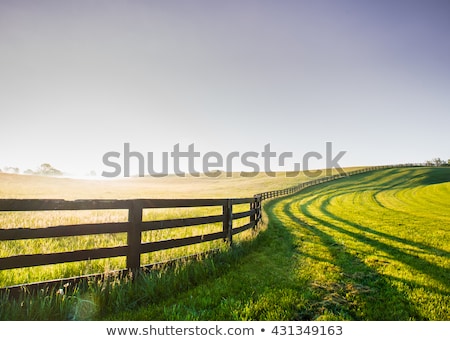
(373, 246)
(35, 187)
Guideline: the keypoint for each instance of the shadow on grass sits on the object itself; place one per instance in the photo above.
(379, 180)
(434, 271)
(424, 176)
(379, 299)
(238, 284)
(437, 272)
(362, 293)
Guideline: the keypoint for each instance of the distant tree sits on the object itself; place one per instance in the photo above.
(437, 161)
(48, 169)
(13, 170)
(28, 172)
(429, 163)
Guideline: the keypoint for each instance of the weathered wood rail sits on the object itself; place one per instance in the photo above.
(135, 225)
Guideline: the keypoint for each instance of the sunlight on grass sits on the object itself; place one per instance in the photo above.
(373, 246)
(21, 186)
(382, 230)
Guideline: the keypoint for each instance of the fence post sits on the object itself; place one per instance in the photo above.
(134, 236)
(258, 201)
(253, 215)
(228, 221)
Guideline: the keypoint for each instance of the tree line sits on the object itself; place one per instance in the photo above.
(437, 162)
(44, 169)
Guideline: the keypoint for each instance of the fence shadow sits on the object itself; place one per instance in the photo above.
(373, 292)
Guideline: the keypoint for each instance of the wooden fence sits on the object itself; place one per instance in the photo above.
(135, 225)
(299, 187)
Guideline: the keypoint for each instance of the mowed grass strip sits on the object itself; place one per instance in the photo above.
(377, 246)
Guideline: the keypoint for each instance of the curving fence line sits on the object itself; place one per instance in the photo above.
(135, 226)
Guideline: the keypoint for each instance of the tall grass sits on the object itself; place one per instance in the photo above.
(62, 244)
(98, 298)
(20, 186)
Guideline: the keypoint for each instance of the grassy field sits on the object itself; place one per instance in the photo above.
(374, 246)
(223, 186)
(22, 186)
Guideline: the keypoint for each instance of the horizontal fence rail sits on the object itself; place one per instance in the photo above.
(135, 226)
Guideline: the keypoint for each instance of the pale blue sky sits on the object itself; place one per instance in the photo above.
(81, 78)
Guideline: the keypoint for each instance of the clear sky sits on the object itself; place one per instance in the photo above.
(81, 78)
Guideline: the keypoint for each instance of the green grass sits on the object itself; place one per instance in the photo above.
(374, 246)
(62, 244)
(22, 186)
(378, 244)
(370, 247)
